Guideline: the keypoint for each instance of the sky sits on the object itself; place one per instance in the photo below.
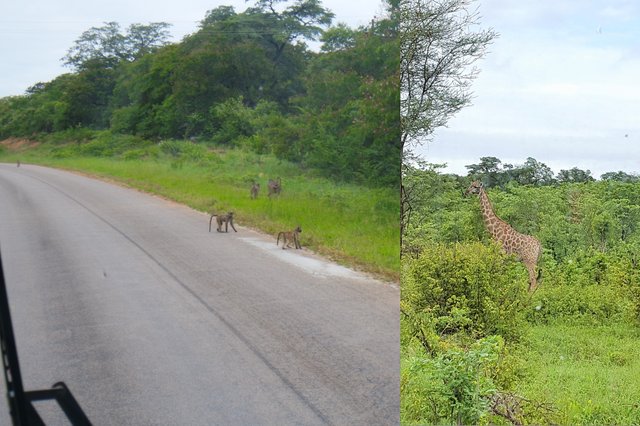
(36, 34)
(560, 84)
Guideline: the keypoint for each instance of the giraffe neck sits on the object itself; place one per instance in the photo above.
(491, 221)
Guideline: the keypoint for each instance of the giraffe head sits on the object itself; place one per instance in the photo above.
(474, 188)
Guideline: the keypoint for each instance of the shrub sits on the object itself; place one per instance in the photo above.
(188, 151)
(231, 121)
(171, 147)
(591, 304)
(469, 288)
(73, 134)
(453, 387)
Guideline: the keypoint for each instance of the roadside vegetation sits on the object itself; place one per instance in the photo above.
(476, 347)
(244, 98)
(352, 224)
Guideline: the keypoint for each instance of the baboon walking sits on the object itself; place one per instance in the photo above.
(290, 236)
(226, 219)
(274, 186)
(255, 188)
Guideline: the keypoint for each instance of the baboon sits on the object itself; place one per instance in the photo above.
(254, 190)
(289, 236)
(17, 163)
(274, 186)
(226, 219)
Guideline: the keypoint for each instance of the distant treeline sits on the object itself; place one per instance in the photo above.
(494, 173)
(242, 79)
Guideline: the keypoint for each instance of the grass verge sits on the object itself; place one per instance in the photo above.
(353, 225)
(589, 374)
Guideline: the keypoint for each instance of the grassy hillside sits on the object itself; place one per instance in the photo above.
(354, 225)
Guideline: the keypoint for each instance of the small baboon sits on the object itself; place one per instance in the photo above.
(226, 219)
(290, 236)
(254, 190)
(275, 186)
(17, 163)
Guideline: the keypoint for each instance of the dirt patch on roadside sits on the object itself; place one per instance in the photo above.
(18, 144)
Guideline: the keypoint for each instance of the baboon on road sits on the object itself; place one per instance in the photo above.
(290, 236)
(226, 219)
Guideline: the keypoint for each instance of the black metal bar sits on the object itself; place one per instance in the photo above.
(21, 408)
(13, 379)
(71, 407)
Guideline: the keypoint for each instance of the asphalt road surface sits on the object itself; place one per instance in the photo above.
(152, 320)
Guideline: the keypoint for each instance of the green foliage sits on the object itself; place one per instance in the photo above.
(351, 109)
(108, 46)
(620, 176)
(590, 373)
(580, 304)
(76, 135)
(461, 306)
(452, 387)
(189, 152)
(231, 122)
(573, 360)
(243, 79)
(468, 289)
(493, 173)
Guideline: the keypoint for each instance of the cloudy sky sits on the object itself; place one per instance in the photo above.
(561, 84)
(35, 34)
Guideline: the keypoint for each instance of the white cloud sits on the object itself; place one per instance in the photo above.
(553, 89)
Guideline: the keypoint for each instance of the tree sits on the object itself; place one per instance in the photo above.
(107, 46)
(533, 172)
(437, 53)
(337, 38)
(574, 175)
(620, 176)
(488, 171)
(305, 18)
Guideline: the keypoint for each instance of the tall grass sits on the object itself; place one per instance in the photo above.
(589, 374)
(354, 225)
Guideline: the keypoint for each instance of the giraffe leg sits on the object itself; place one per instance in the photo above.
(533, 284)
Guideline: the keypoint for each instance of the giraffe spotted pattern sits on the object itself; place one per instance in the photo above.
(525, 247)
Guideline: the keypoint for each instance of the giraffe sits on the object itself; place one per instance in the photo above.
(526, 247)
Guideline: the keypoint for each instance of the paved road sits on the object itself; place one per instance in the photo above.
(151, 320)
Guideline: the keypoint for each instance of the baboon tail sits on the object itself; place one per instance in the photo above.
(210, 219)
(539, 274)
(278, 240)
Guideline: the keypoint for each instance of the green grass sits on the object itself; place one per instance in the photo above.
(351, 224)
(589, 374)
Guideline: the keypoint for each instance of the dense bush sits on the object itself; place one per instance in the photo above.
(455, 386)
(590, 304)
(471, 289)
(243, 80)
(460, 304)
